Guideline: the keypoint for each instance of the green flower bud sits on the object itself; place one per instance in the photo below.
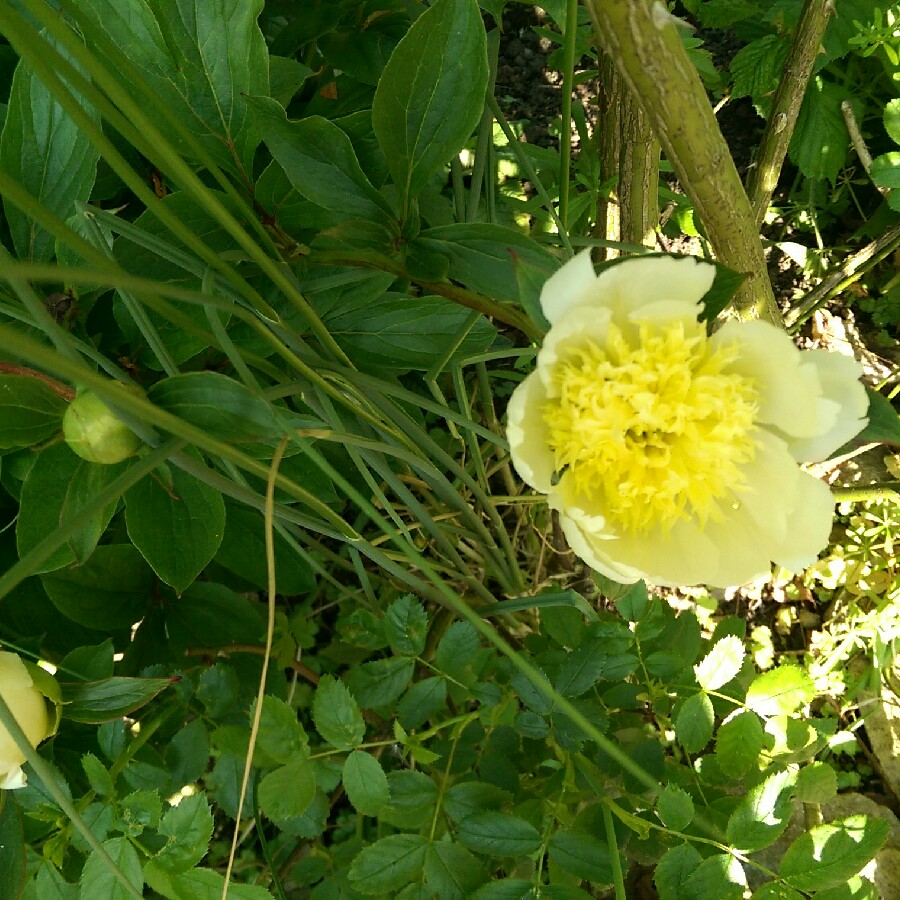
(93, 432)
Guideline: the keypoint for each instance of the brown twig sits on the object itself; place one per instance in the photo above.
(57, 387)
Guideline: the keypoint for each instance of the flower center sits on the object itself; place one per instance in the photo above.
(653, 430)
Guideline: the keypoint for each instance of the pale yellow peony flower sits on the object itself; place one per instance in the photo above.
(29, 708)
(669, 454)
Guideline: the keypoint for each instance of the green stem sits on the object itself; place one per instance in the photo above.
(615, 861)
(643, 40)
(786, 104)
(47, 777)
(565, 134)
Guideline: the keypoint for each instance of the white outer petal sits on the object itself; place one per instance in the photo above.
(13, 779)
(788, 393)
(809, 528)
(839, 377)
(527, 434)
(640, 282)
(570, 285)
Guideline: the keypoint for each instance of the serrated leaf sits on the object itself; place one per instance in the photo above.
(885, 170)
(720, 876)
(819, 144)
(498, 834)
(281, 736)
(98, 880)
(694, 722)
(12, 851)
(892, 119)
(775, 891)
(287, 791)
(582, 854)
(456, 648)
(763, 814)
(431, 93)
(188, 828)
(469, 797)
(780, 692)
(581, 669)
(388, 864)
(721, 664)
(756, 69)
(739, 742)
(675, 807)
(97, 775)
(421, 701)
(382, 681)
(30, 411)
(816, 783)
(336, 714)
(406, 626)
(365, 783)
(451, 872)
(827, 855)
(673, 870)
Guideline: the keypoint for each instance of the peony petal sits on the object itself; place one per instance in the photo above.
(13, 779)
(13, 673)
(527, 434)
(772, 484)
(570, 285)
(839, 378)
(788, 393)
(809, 527)
(644, 281)
(579, 324)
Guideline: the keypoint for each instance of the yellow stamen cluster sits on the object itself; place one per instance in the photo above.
(651, 427)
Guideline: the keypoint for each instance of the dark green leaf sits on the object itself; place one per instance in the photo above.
(281, 736)
(421, 701)
(365, 783)
(113, 589)
(775, 891)
(287, 791)
(97, 775)
(243, 552)
(694, 722)
(320, 162)
(177, 522)
(820, 141)
(100, 701)
(456, 648)
(285, 78)
(406, 626)
(381, 682)
(738, 743)
(45, 153)
(187, 828)
(98, 880)
(581, 669)
(885, 170)
(388, 864)
(583, 855)
(498, 834)
(59, 486)
(30, 412)
(884, 423)
(828, 855)
(451, 872)
(720, 876)
(399, 333)
(211, 615)
(202, 63)
(673, 871)
(222, 407)
(336, 715)
(431, 94)
(469, 797)
(756, 69)
(675, 807)
(12, 848)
